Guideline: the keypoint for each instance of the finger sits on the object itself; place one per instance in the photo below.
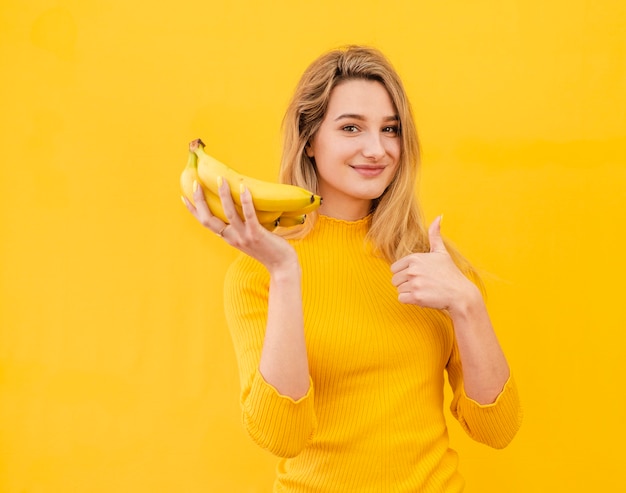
(399, 278)
(434, 236)
(247, 205)
(201, 208)
(202, 211)
(400, 264)
(228, 204)
(198, 196)
(190, 207)
(404, 298)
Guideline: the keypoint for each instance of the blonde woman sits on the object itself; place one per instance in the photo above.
(344, 330)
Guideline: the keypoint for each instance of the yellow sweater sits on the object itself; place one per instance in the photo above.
(373, 418)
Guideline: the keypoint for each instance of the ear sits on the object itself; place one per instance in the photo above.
(308, 148)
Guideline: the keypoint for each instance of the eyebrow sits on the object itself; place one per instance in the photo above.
(356, 116)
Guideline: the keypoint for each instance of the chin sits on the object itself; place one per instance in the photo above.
(372, 194)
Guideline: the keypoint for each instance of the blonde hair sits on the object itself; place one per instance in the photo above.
(397, 226)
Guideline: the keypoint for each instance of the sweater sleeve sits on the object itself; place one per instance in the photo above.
(275, 422)
(493, 424)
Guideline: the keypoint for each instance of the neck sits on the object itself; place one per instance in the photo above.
(346, 212)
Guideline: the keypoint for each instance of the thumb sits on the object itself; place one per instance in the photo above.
(434, 236)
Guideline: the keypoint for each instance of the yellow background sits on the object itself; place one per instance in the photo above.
(116, 368)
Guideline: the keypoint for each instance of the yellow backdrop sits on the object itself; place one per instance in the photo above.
(116, 368)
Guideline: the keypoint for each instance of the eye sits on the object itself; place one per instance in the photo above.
(350, 128)
(392, 129)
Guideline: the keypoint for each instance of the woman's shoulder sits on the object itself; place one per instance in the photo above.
(244, 263)
(243, 270)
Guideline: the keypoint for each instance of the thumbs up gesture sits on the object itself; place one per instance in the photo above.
(431, 279)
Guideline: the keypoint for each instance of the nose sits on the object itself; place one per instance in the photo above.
(373, 147)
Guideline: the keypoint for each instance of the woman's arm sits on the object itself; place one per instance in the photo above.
(283, 362)
(485, 369)
(433, 280)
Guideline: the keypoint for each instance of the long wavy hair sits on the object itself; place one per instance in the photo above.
(397, 225)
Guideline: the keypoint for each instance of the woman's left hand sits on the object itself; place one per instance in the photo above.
(431, 279)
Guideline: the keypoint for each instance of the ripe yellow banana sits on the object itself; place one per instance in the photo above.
(304, 211)
(287, 221)
(270, 226)
(190, 174)
(266, 196)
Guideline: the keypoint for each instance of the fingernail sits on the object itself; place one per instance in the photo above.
(184, 201)
(242, 188)
(220, 180)
(195, 186)
(440, 219)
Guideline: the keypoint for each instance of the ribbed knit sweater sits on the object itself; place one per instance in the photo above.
(373, 418)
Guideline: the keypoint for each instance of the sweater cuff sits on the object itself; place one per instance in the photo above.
(494, 424)
(276, 422)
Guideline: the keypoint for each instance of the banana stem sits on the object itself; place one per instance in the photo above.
(194, 144)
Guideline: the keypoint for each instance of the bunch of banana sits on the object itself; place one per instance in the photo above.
(274, 203)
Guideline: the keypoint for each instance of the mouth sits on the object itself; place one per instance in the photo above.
(368, 170)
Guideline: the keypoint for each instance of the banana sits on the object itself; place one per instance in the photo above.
(304, 211)
(190, 173)
(270, 226)
(266, 196)
(286, 221)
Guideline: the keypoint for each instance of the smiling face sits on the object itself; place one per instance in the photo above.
(356, 149)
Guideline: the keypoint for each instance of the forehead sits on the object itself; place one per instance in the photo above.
(361, 96)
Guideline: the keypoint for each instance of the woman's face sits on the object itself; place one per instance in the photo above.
(356, 149)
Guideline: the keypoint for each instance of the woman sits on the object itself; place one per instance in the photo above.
(343, 331)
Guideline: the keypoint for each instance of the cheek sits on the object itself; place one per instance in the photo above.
(333, 155)
(326, 168)
(396, 149)
(392, 175)
(397, 153)
(393, 171)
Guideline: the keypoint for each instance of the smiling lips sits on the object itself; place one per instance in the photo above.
(368, 170)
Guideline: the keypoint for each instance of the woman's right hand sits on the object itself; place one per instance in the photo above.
(247, 235)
